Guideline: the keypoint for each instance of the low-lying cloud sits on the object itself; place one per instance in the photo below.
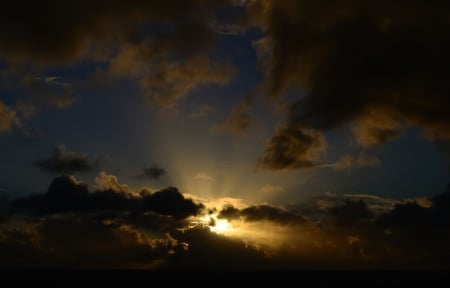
(65, 162)
(154, 172)
(162, 229)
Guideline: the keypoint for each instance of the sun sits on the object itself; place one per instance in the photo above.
(221, 226)
(216, 225)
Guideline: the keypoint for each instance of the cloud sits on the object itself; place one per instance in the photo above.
(260, 213)
(105, 182)
(170, 201)
(201, 176)
(79, 242)
(406, 215)
(8, 119)
(349, 162)
(348, 213)
(54, 80)
(349, 236)
(381, 205)
(66, 194)
(219, 252)
(420, 213)
(170, 82)
(376, 127)
(350, 63)
(65, 161)
(240, 120)
(269, 188)
(162, 47)
(293, 148)
(54, 33)
(154, 172)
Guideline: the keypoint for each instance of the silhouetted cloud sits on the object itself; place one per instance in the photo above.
(79, 242)
(261, 213)
(54, 33)
(154, 172)
(67, 194)
(65, 161)
(349, 61)
(170, 201)
(132, 235)
(413, 214)
(293, 148)
(348, 213)
(219, 252)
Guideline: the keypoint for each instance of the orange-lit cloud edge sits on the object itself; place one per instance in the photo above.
(146, 228)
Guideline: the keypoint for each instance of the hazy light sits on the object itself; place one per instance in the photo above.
(221, 226)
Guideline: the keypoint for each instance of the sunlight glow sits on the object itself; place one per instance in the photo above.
(221, 227)
(216, 225)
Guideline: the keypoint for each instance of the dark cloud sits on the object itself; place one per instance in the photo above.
(378, 66)
(409, 236)
(65, 161)
(161, 46)
(211, 251)
(293, 148)
(170, 201)
(230, 212)
(348, 213)
(408, 214)
(78, 242)
(261, 213)
(171, 79)
(66, 194)
(414, 216)
(54, 33)
(154, 172)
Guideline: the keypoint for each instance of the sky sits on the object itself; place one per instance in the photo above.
(274, 134)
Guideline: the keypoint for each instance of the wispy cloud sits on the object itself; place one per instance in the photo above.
(269, 188)
(201, 176)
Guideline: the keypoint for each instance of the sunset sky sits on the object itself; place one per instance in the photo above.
(237, 134)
